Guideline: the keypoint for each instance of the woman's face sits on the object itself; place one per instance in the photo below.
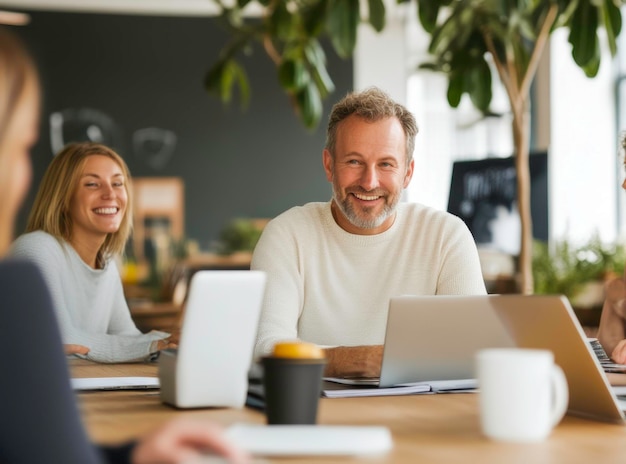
(99, 202)
(19, 138)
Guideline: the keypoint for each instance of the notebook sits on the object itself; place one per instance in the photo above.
(210, 366)
(114, 383)
(434, 338)
(549, 322)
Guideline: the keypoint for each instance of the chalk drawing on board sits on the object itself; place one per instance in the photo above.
(154, 146)
(484, 194)
(82, 125)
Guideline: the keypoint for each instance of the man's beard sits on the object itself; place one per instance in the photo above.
(348, 210)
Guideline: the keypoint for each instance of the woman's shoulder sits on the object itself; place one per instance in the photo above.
(36, 244)
(36, 238)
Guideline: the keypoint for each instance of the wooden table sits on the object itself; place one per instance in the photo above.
(426, 428)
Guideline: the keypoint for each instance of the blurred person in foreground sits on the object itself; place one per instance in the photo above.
(39, 419)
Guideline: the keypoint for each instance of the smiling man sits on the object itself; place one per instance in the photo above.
(333, 266)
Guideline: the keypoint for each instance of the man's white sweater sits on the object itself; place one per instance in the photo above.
(332, 288)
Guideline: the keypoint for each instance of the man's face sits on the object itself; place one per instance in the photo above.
(368, 173)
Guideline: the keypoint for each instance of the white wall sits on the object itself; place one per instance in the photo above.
(583, 149)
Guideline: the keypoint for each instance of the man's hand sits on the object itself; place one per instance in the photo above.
(619, 353)
(354, 361)
(75, 349)
(183, 440)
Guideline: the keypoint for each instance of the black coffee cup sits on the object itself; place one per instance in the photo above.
(292, 389)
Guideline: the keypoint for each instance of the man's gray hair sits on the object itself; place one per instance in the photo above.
(372, 104)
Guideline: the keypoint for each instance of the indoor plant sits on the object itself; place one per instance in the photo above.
(471, 40)
(572, 270)
(239, 235)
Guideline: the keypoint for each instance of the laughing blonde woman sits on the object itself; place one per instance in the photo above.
(80, 221)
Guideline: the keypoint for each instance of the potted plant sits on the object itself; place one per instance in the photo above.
(578, 272)
(471, 42)
(239, 235)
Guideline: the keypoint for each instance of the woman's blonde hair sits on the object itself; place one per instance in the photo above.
(51, 209)
(17, 74)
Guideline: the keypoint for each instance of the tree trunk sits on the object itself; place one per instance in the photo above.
(521, 128)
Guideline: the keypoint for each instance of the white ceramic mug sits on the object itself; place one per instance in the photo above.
(523, 394)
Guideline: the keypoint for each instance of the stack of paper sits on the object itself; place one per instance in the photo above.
(346, 388)
(375, 391)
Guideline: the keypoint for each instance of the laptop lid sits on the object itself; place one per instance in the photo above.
(548, 322)
(435, 337)
(210, 367)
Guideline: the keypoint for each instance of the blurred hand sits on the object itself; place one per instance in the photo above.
(182, 440)
(165, 344)
(75, 349)
(174, 335)
(619, 353)
(615, 294)
(612, 327)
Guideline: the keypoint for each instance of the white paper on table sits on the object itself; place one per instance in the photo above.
(115, 383)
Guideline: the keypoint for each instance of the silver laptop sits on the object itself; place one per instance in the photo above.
(548, 322)
(435, 337)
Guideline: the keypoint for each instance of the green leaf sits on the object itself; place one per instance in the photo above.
(293, 75)
(444, 35)
(315, 53)
(593, 66)
(582, 34)
(244, 87)
(222, 79)
(427, 13)
(323, 81)
(229, 75)
(430, 66)
(466, 29)
(317, 62)
(281, 22)
(478, 85)
(377, 14)
(612, 20)
(455, 89)
(310, 106)
(242, 3)
(313, 18)
(212, 79)
(342, 22)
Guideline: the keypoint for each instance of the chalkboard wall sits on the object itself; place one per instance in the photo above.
(138, 73)
(484, 194)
